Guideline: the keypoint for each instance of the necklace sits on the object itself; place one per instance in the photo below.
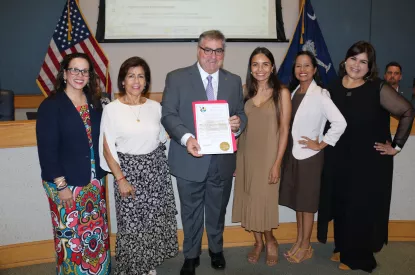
(130, 106)
(137, 117)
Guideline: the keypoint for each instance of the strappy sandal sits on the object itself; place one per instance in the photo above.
(335, 257)
(255, 254)
(272, 260)
(290, 252)
(307, 255)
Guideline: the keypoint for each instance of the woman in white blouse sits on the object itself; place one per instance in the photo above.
(303, 162)
(132, 149)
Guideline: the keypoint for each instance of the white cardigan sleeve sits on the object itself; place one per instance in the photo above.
(337, 122)
(107, 129)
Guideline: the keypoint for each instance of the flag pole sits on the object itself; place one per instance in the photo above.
(301, 4)
(298, 22)
(303, 22)
(69, 23)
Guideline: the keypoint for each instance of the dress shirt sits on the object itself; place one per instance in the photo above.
(215, 84)
(215, 79)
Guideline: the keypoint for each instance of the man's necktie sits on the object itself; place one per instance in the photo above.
(209, 89)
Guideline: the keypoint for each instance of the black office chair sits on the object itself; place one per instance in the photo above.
(31, 115)
(6, 105)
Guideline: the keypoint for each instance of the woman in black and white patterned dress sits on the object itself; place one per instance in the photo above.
(131, 143)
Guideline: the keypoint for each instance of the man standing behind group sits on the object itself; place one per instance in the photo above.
(393, 75)
(204, 182)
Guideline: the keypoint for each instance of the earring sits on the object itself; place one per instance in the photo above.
(64, 81)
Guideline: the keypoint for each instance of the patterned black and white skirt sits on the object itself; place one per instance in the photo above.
(146, 225)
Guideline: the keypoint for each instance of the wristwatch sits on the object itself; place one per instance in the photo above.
(396, 147)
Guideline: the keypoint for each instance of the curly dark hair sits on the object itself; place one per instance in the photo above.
(91, 90)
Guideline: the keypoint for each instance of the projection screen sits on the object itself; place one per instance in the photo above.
(175, 20)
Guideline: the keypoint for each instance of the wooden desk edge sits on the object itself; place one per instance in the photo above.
(33, 101)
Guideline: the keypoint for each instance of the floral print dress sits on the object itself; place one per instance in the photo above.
(81, 233)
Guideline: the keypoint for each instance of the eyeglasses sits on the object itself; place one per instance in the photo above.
(218, 52)
(76, 71)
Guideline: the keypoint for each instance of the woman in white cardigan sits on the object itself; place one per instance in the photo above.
(303, 161)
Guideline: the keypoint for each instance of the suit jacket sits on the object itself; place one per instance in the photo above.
(311, 117)
(405, 92)
(62, 141)
(184, 86)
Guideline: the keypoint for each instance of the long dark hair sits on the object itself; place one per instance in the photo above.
(273, 82)
(91, 90)
(294, 82)
(358, 48)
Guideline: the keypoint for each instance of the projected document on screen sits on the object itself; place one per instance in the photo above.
(164, 19)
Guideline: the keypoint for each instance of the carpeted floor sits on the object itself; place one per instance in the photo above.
(398, 258)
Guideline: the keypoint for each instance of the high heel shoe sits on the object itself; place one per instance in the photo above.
(308, 253)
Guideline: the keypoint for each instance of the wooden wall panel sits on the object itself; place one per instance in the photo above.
(17, 134)
(33, 101)
(28, 101)
(42, 252)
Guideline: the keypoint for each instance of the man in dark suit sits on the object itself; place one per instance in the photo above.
(204, 182)
(393, 76)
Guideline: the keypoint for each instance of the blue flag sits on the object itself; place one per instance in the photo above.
(308, 37)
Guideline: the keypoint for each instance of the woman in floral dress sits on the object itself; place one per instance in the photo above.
(67, 130)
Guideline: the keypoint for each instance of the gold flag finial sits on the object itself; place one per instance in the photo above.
(69, 22)
(302, 21)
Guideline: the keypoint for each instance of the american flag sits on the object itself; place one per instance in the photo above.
(72, 35)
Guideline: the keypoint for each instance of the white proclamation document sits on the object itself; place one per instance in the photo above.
(213, 131)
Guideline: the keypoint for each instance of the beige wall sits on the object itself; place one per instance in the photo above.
(165, 57)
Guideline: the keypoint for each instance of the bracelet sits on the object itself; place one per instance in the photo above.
(61, 184)
(62, 188)
(397, 148)
(59, 180)
(120, 179)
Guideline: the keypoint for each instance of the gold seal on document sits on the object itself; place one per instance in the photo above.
(224, 146)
